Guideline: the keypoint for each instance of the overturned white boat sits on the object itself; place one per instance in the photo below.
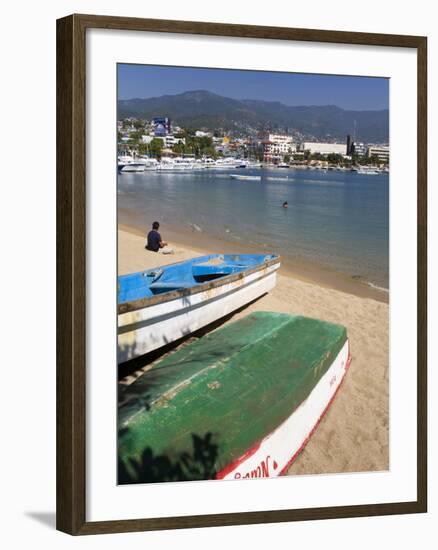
(162, 305)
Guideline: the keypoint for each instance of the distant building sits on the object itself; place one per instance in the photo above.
(359, 149)
(276, 146)
(171, 140)
(379, 151)
(349, 145)
(161, 125)
(200, 133)
(355, 148)
(168, 140)
(324, 148)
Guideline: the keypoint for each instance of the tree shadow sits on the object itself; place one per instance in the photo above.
(199, 464)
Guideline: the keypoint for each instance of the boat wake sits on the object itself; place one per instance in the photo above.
(279, 178)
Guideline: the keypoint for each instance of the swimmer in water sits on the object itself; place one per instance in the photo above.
(285, 205)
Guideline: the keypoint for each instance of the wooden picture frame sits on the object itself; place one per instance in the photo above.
(71, 273)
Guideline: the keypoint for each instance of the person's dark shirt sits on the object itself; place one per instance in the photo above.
(154, 240)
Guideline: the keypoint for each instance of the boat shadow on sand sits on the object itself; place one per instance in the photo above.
(141, 364)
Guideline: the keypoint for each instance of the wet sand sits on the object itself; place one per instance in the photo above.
(353, 436)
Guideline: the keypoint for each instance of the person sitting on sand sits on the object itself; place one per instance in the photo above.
(285, 205)
(154, 239)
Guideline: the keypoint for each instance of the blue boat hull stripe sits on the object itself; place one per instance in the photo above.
(167, 316)
(149, 301)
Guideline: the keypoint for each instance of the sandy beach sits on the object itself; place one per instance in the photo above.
(354, 434)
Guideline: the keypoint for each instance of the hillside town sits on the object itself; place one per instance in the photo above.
(158, 143)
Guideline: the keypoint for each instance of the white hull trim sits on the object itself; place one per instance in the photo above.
(133, 168)
(274, 454)
(152, 327)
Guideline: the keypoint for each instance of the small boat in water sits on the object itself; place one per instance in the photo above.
(368, 172)
(161, 305)
(240, 402)
(241, 177)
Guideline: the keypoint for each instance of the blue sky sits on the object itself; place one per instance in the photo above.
(348, 92)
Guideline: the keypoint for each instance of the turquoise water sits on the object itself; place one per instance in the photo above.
(338, 219)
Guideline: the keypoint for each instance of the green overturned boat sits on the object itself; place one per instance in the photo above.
(240, 402)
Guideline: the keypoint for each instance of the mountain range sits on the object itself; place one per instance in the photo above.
(206, 110)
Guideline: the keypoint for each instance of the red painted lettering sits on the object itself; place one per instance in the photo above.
(262, 470)
(265, 466)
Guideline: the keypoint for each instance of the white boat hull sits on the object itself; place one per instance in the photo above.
(275, 453)
(144, 330)
(133, 168)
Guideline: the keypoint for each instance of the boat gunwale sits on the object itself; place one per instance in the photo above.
(141, 303)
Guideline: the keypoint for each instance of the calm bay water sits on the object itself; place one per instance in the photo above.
(338, 219)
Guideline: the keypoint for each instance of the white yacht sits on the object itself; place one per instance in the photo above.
(177, 164)
(227, 163)
(368, 171)
(126, 163)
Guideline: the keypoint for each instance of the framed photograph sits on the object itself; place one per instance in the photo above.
(241, 274)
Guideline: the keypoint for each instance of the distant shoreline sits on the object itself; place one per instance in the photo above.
(304, 270)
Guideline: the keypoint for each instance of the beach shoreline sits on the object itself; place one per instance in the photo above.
(304, 270)
(353, 435)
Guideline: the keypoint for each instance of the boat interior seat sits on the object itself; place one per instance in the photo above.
(220, 269)
(171, 285)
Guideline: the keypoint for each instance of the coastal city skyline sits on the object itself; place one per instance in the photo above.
(291, 89)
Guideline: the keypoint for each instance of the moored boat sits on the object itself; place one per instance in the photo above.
(161, 305)
(367, 171)
(178, 164)
(239, 403)
(127, 163)
(241, 177)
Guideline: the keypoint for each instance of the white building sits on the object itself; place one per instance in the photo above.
(199, 133)
(168, 141)
(276, 146)
(379, 151)
(324, 148)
